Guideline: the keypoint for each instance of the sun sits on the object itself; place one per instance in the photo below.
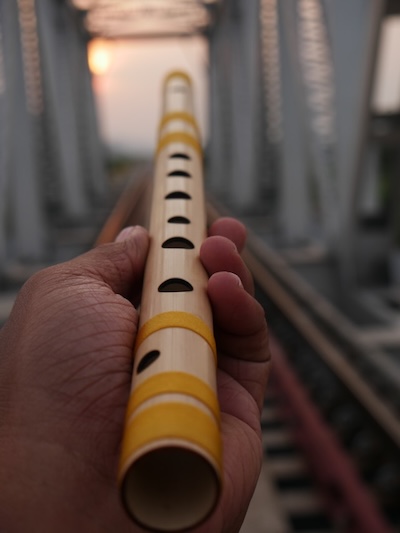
(99, 56)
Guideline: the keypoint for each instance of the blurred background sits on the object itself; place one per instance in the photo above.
(298, 103)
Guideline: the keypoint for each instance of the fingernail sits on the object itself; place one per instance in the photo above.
(126, 233)
(234, 247)
(237, 279)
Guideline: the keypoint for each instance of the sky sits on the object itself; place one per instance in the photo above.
(129, 83)
(386, 92)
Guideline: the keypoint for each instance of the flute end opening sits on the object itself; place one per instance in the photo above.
(171, 489)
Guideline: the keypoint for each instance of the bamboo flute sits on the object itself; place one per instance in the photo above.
(171, 459)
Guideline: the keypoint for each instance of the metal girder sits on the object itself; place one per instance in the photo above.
(145, 18)
(50, 155)
(246, 101)
(20, 183)
(294, 199)
(220, 104)
(317, 79)
(272, 102)
(235, 77)
(58, 78)
(354, 29)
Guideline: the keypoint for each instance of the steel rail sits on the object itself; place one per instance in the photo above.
(130, 208)
(325, 348)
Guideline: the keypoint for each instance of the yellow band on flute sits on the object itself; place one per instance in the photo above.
(171, 421)
(179, 115)
(178, 74)
(179, 137)
(177, 319)
(173, 382)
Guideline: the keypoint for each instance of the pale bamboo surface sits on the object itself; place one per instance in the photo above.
(170, 470)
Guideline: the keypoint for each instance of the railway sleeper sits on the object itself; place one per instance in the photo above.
(299, 500)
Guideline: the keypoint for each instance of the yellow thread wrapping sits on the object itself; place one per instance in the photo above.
(171, 421)
(177, 319)
(178, 74)
(173, 382)
(179, 115)
(179, 137)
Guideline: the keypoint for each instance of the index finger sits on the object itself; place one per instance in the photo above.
(230, 228)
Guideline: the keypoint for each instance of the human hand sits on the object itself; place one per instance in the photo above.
(65, 375)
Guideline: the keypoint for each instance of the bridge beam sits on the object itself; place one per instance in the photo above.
(21, 207)
(354, 30)
(219, 146)
(246, 102)
(59, 75)
(235, 87)
(294, 198)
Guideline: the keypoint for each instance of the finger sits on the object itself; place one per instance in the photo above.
(240, 324)
(221, 254)
(230, 228)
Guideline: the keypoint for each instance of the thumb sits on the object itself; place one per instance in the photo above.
(119, 265)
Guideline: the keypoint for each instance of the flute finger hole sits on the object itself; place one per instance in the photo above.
(178, 220)
(178, 195)
(180, 173)
(178, 242)
(179, 155)
(147, 360)
(175, 285)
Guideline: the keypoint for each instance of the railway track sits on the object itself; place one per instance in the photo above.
(331, 429)
(347, 430)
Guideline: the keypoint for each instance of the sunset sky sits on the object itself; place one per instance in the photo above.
(129, 81)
